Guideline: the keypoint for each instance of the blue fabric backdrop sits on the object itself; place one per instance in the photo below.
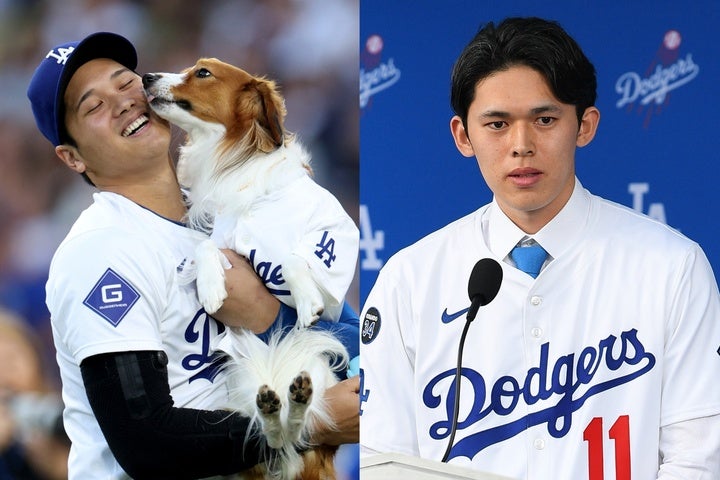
(656, 150)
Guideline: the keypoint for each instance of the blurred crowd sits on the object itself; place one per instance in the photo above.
(309, 47)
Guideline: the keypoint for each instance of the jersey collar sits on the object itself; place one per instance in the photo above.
(562, 232)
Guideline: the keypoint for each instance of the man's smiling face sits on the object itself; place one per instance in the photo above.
(106, 113)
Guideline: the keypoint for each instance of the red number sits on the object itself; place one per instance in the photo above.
(593, 435)
(620, 433)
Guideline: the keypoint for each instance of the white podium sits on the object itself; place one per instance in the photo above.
(394, 466)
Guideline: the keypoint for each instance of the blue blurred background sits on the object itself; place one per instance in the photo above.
(657, 66)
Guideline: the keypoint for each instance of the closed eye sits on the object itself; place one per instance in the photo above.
(94, 108)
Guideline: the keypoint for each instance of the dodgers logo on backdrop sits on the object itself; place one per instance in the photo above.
(372, 241)
(376, 75)
(648, 92)
(112, 297)
(561, 388)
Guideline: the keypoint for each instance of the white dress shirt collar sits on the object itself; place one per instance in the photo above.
(501, 234)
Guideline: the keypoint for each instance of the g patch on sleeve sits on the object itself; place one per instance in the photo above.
(112, 297)
(370, 326)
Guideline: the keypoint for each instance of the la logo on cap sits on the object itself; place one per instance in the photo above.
(62, 54)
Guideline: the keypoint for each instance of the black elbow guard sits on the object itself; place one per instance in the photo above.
(149, 437)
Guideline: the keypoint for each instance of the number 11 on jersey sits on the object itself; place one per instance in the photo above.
(620, 433)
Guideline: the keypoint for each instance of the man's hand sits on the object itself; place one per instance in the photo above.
(249, 304)
(343, 401)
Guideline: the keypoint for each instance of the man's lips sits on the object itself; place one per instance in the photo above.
(525, 177)
(136, 125)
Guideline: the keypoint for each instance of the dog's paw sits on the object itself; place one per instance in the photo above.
(309, 306)
(268, 405)
(268, 402)
(211, 299)
(305, 292)
(300, 394)
(210, 277)
(308, 314)
(301, 389)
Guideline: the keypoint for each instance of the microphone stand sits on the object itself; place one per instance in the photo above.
(458, 380)
(483, 286)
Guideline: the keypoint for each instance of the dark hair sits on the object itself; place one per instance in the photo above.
(540, 44)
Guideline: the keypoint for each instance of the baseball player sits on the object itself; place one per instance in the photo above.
(140, 378)
(601, 366)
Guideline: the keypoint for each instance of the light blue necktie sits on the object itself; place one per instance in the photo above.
(529, 259)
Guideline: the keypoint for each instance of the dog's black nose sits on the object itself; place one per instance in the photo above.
(149, 78)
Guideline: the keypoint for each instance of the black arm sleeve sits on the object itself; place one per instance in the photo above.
(150, 438)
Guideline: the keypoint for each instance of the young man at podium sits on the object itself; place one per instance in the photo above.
(595, 355)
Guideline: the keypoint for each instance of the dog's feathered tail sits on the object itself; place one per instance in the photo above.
(276, 364)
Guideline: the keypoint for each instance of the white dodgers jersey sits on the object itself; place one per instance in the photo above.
(567, 376)
(122, 281)
(304, 219)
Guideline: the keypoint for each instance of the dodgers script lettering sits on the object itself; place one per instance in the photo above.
(199, 332)
(270, 274)
(543, 382)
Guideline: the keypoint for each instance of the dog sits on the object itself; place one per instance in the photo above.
(249, 183)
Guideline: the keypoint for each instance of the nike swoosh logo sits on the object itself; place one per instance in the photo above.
(449, 317)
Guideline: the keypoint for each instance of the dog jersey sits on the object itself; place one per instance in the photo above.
(566, 376)
(302, 218)
(122, 280)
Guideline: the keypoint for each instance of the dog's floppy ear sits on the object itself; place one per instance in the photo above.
(271, 116)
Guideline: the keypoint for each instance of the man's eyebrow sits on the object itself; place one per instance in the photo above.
(494, 114)
(87, 94)
(533, 111)
(545, 109)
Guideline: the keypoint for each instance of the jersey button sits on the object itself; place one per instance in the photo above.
(535, 300)
(539, 443)
(536, 332)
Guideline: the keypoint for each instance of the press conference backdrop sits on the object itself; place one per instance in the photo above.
(658, 145)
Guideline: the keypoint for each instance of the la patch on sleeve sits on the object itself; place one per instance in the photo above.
(111, 297)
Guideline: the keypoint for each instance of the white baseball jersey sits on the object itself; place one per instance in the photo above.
(301, 218)
(567, 376)
(122, 280)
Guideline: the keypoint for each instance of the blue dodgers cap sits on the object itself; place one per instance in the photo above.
(47, 86)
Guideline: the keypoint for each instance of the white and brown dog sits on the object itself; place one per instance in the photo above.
(249, 181)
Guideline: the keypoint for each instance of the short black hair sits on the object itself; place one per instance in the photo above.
(542, 45)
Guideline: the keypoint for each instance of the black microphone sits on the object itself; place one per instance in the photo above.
(483, 287)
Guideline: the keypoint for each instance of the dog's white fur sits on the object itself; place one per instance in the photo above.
(220, 184)
(294, 422)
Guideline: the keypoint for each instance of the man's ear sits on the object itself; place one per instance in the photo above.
(70, 157)
(462, 142)
(588, 126)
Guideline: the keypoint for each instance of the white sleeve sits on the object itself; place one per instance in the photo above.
(106, 294)
(387, 405)
(691, 364)
(330, 247)
(690, 450)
